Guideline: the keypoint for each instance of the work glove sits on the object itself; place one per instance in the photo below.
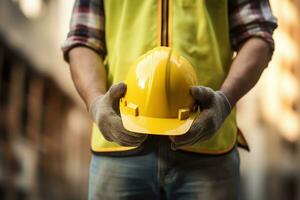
(214, 108)
(106, 114)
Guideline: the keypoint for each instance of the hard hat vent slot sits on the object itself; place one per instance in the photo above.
(132, 109)
(183, 113)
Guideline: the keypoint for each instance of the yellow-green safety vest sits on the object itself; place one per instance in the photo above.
(196, 29)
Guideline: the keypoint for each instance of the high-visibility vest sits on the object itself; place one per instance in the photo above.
(196, 29)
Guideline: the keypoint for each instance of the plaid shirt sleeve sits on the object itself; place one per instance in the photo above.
(251, 18)
(86, 27)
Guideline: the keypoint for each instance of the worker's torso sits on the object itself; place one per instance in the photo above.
(197, 29)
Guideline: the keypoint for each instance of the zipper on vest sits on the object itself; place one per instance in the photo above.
(164, 23)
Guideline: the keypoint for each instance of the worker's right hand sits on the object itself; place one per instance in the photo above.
(105, 113)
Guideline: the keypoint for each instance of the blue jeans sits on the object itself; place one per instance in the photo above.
(165, 174)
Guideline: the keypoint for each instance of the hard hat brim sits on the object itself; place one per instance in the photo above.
(157, 126)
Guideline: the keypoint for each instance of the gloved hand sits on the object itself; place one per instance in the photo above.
(214, 108)
(105, 113)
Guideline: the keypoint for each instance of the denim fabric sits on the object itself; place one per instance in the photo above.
(165, 174)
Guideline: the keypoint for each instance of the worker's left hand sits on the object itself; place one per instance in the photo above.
(214, 108)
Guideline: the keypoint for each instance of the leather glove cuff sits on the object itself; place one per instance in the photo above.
(228, 104)
(93, 108)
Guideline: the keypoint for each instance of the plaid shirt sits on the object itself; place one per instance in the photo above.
(247, 18)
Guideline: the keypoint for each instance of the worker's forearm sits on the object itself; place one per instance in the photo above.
(88, 73)
(246, 69)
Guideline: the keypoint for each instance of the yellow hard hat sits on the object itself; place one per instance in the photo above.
(157, 99)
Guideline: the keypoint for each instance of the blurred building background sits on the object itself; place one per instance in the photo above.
(44, 128)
